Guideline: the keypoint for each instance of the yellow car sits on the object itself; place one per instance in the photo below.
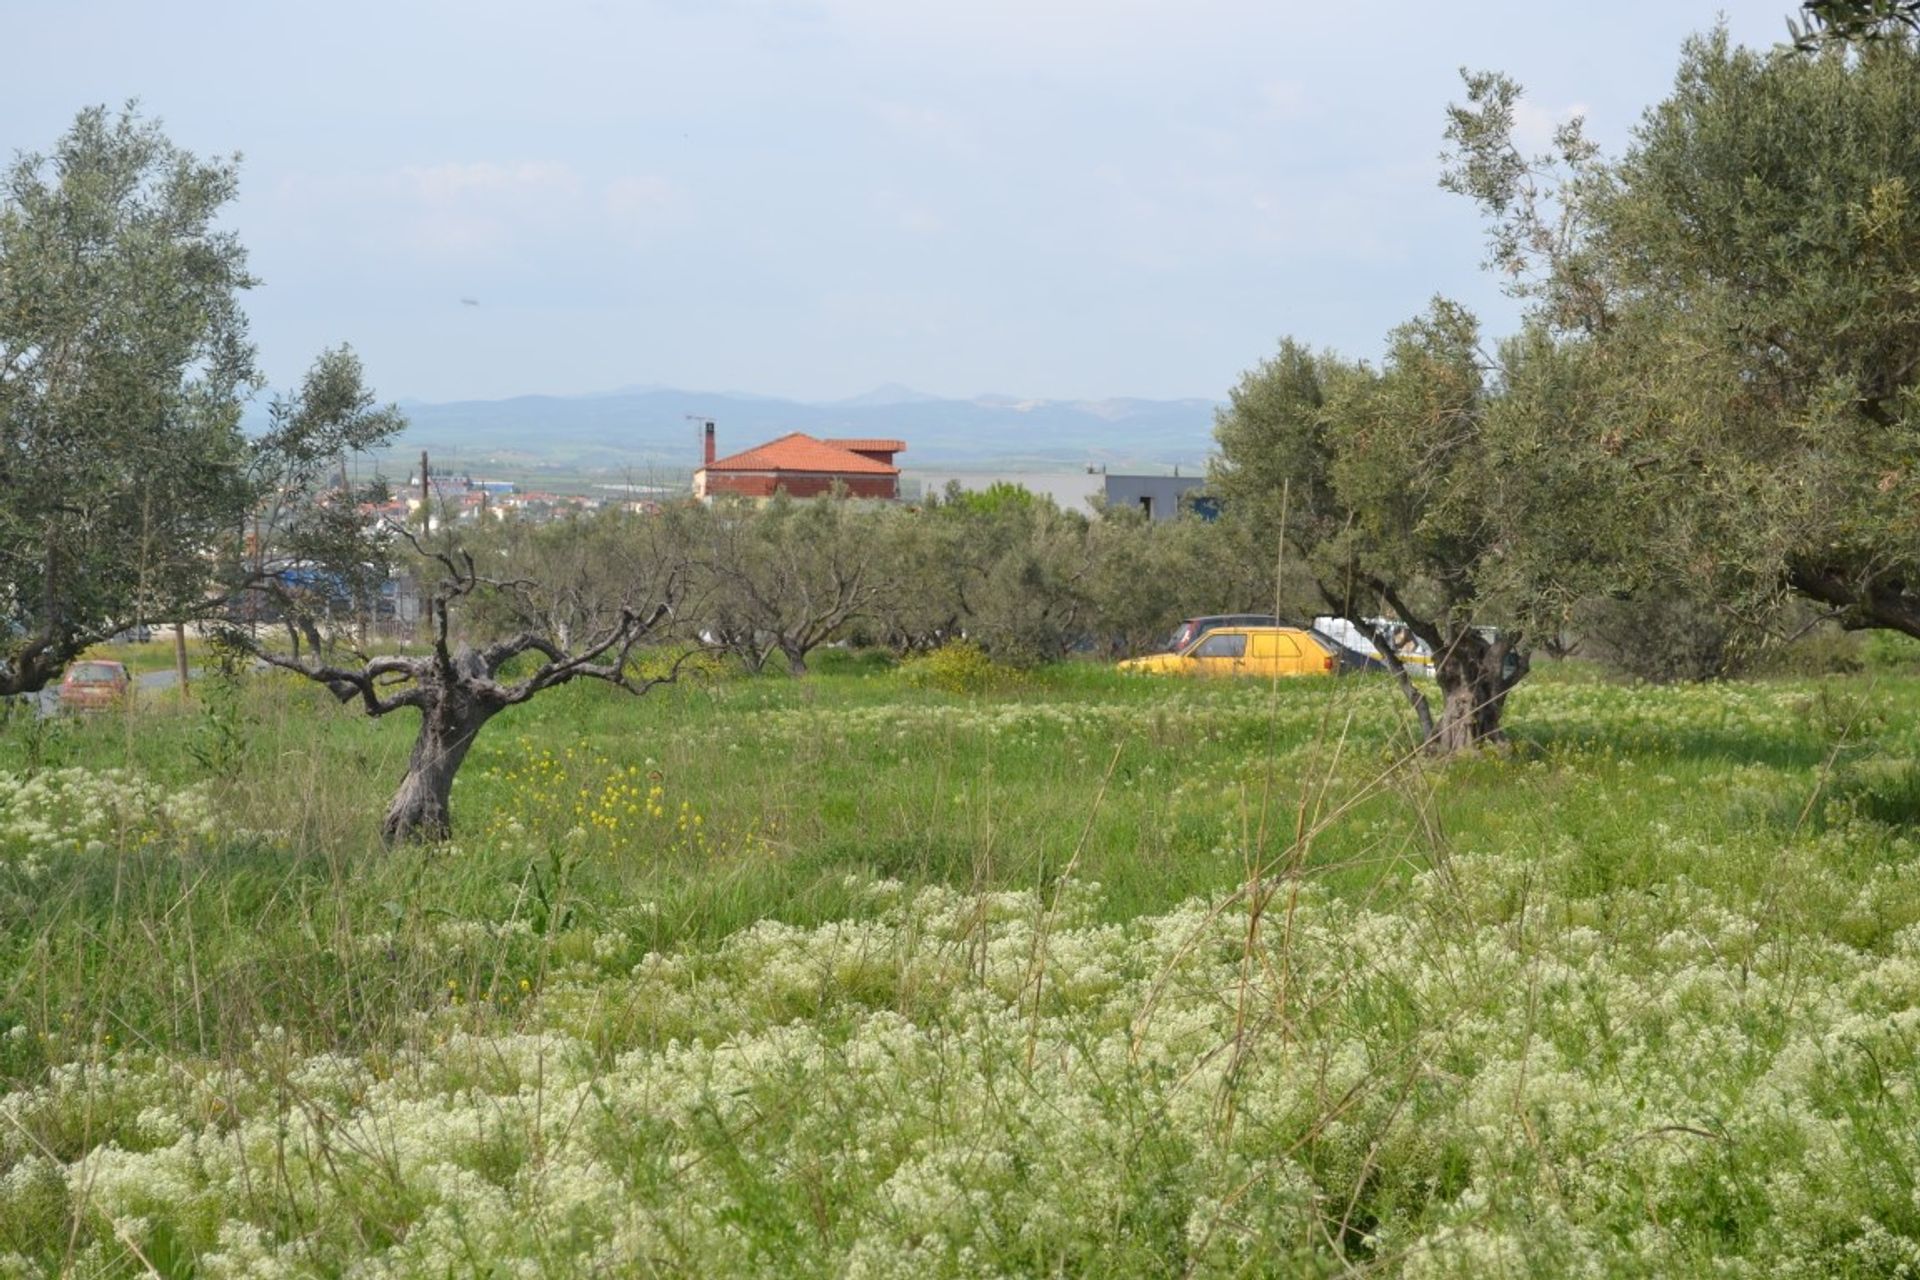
(1245, 651)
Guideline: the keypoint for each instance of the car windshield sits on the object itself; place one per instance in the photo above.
(94, 673)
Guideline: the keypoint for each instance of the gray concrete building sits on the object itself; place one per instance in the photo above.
(1157, 497)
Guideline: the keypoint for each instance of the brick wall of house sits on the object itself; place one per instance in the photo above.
(761, 484)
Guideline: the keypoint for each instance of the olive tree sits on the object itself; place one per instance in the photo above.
(1434, 489)
(123, 361)
(789, 576)
(1129, 606)
(588, 567)
(128, 490)
(511, 613)
(1147, 575)
(1025, 568)
(472, 673)
(924, 606)
(1828, 22)
(307, 552)
(1744, 277)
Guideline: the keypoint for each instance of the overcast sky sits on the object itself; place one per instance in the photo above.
(1059, 198)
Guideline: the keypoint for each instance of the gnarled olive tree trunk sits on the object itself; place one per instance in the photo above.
(422, 809)
(457, 688)
(1475, 670)
(1475, 674)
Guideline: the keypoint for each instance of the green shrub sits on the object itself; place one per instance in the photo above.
(958, 666)
(1674, 639)
(1662, 639)
(1889, 651)
(1824, 651)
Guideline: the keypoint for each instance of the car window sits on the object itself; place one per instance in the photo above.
(93, 673)
(1222, 646)
(1192, 628)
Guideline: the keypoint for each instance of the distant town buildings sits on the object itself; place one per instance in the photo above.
(803, 466)
(456, 499)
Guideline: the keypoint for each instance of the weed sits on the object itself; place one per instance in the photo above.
(219, 745)
(1080, 975)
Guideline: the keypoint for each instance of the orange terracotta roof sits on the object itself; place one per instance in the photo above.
(801, 452)
(871, 446)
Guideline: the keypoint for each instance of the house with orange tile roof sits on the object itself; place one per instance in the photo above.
(803, 466)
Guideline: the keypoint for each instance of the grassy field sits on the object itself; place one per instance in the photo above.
(1082, 973)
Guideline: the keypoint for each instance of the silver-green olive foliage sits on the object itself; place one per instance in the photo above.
(1439, 489)
(789, 576)
(128, 490)
(1828, 22)
(311, 552)
(1745, 281)
(123, 356)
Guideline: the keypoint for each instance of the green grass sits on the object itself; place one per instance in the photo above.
(157, 654)
(1274, 972)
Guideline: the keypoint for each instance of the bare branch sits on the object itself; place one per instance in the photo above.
(345, 683)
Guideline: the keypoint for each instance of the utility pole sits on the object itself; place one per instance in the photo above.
(361, 605)
(426, 528)
(180, 656)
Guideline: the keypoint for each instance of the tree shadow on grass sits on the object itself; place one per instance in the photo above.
(1649, 743)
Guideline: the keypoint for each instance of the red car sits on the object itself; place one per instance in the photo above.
(95, 685)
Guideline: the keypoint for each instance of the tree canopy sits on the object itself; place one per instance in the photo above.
(123, 360)
(1827, 22)
(1436, 490)
(1743, 282)
(128, 490)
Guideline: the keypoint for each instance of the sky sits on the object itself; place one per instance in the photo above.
(808, 198)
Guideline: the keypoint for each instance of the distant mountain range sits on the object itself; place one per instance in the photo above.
(652, 427)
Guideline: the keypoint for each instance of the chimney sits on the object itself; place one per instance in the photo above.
(709, 433)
